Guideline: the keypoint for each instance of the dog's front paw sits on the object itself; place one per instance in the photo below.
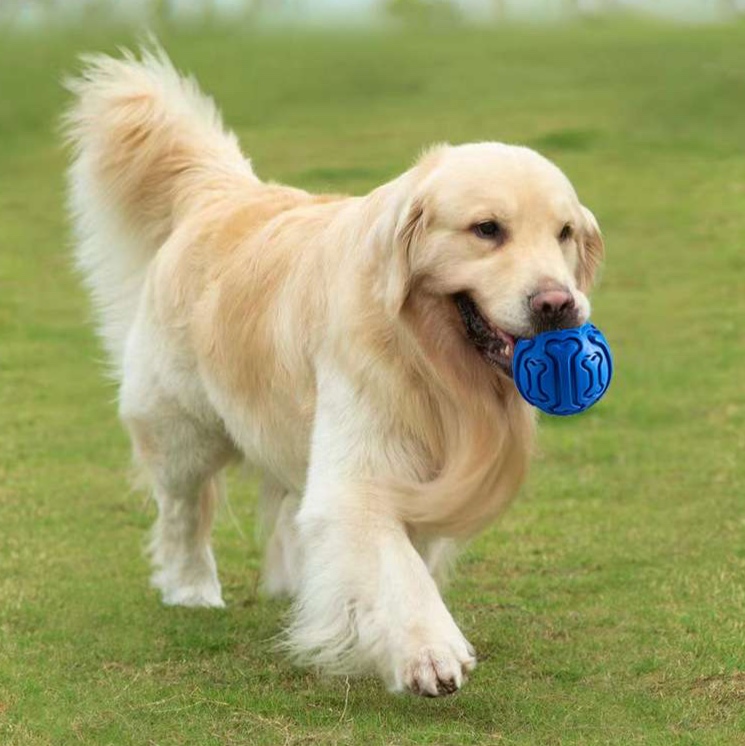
(203, 594)
(437, 670)
(194, 597)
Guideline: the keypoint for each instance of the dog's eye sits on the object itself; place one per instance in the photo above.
(566, 233)
(489, 229)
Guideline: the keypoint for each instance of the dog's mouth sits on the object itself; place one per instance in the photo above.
(495, 345)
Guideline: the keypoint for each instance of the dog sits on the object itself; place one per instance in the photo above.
(355, 349)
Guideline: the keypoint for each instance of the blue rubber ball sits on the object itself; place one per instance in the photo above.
(563, 372)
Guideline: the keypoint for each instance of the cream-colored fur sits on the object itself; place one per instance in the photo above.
(316, 337)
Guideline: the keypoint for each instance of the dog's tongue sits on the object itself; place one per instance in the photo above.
(501, 347)
(508, 340)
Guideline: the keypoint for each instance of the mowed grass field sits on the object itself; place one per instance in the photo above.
(607, 607)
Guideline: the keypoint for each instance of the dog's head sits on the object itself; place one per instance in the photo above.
(493, 240)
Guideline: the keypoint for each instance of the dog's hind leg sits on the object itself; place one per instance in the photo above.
(183, 459)
(282, 556)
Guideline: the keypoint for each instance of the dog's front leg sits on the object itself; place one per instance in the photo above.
(366, 598)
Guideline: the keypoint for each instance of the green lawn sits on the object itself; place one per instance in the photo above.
(609, 604)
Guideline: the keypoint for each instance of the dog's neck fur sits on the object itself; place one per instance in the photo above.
(470, 432)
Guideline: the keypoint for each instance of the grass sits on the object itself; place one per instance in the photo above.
(609, 604)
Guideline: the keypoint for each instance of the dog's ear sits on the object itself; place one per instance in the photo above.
(591, 251)
(409, 229)
(406, 204)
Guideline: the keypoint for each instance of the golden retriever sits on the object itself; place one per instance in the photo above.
(357, 350)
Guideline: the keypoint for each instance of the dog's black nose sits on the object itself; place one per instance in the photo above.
(553, 308)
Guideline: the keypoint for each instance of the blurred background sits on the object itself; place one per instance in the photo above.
(608, 606)
(267, 12)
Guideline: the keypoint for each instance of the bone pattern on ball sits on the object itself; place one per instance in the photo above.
(563, 372)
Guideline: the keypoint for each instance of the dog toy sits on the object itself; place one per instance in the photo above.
(563, 372)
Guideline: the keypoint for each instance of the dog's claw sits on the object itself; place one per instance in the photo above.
(447, 687)
(438, 672)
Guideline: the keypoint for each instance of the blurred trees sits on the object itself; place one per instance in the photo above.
(34, 12)
(422, 11)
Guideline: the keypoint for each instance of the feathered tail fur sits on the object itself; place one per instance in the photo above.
(148, 145)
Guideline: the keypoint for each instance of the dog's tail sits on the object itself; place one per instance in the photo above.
(148, 147)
